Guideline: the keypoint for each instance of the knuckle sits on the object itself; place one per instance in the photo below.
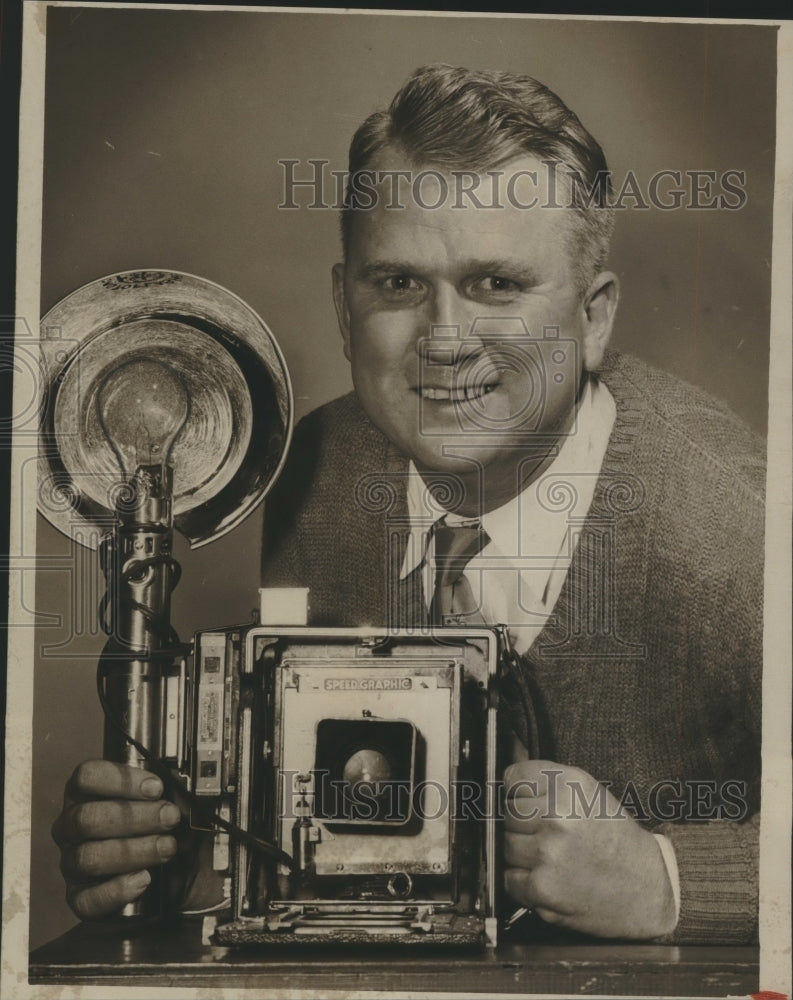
(550, 916)
(127, 780)
(104, 897)
(548, 853)
(133, 779)
(76, 777)
(96, 901)
(536, 768)
(517, 772)
(79, 902)
(543, 884)
(83, 818)
(82, 777)
(518, 885)
(88, 859)
(165, 847)
(513, 856)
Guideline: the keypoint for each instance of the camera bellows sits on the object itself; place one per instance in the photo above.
(453, 601)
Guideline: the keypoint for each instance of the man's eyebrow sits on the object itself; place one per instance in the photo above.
(384, 268)
(516, 270)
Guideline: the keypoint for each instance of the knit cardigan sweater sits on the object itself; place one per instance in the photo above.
(647, 675)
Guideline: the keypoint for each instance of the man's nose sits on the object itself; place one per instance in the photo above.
(451, 336)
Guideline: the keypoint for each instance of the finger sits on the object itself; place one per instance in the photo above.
(96, 859)
(541, 894)
(95, 901)
(524, 775)
(106, 779)
(524, 814)
(519, 884)
(521, 851)
(530, 769)
(104, 820)
(551, 916)
(526, 788)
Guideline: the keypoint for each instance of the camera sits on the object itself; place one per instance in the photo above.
(349, 779)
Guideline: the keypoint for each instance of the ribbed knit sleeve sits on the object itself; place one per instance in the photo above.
(656, 640)
(718, 865)
(702, 566)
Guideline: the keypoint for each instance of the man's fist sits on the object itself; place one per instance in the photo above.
(114, 825)
(590, 869)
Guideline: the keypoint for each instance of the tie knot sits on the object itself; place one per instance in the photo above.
(455, 547)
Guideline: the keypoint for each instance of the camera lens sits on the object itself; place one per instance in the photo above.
(365, 770)
(368, 765)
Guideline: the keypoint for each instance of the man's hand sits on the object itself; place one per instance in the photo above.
(589, 869)
(114, 825)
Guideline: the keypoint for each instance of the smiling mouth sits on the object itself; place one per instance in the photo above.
(452, 384)
(455, 394)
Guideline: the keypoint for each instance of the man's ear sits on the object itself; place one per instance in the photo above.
(600, 306)
(340, 302)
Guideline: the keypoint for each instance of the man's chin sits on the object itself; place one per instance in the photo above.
(457, 458)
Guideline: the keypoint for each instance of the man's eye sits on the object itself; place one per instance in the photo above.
(400, 283)
(496, 283)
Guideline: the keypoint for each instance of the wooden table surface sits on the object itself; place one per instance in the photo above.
(534, 960)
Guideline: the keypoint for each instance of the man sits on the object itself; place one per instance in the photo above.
(617, 517)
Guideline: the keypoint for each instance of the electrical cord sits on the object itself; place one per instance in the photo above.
(163, 630)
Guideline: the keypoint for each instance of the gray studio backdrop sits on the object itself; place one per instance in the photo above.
(163, 134)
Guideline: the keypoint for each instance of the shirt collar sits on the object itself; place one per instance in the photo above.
(534, 522)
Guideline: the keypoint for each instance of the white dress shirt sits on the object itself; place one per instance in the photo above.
(518, 576)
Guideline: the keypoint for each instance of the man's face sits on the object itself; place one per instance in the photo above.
(463, 326)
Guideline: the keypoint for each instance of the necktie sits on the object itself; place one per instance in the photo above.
(453, 601)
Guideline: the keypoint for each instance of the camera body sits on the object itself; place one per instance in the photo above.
(355, 777)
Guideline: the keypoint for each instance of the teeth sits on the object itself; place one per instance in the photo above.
(456, 395)
(469, 392)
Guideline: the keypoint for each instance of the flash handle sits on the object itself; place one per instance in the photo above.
(140, 575)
